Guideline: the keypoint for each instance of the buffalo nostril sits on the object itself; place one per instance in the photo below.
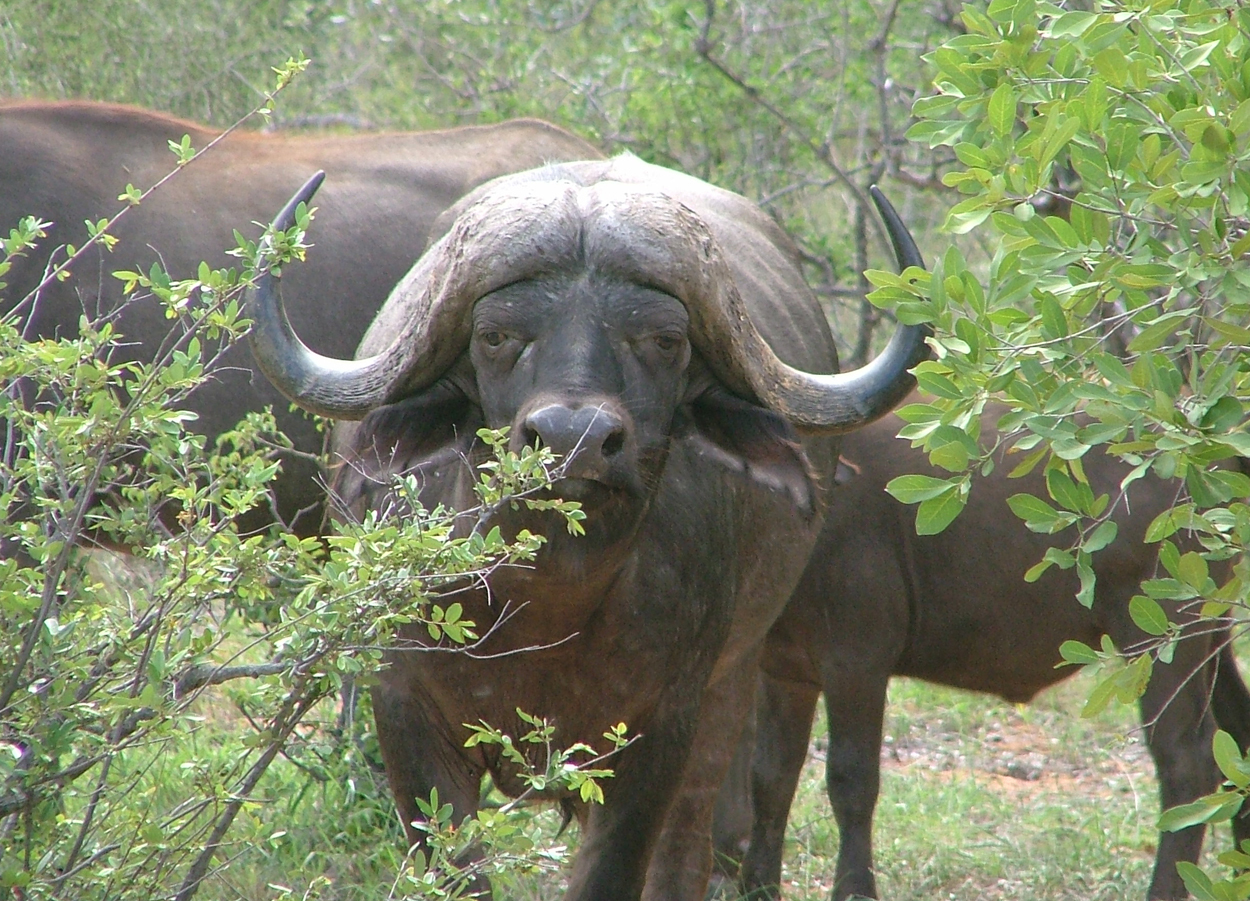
(614, 443)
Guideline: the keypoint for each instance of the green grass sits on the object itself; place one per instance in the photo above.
(981, 799)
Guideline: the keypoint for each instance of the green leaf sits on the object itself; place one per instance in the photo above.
(1228, 757)
(1088, 581)
(1230, 331)
(1038, 515)
(1198, 882)
(967, 215)
(1078, 653)
(1099, 697)
(1112, 65)
(1148, 615)
(1205, 810)
(1065, 492)
(1154, 334)
(1193, 570)
(936, 513)
(1001, 109)
(1071, 24)
(1225, 414)
(1170, 557)
(1054, 323)
(952, 457)
(937, 384)
(1102, 536)
(1113, 370)
(913, 489)
(1058, 139)
(1133, 679)
(1028, 464)
(1162, 526)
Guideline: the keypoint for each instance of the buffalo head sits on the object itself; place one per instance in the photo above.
(589, 307)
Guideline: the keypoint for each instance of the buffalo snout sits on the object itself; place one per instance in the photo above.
(589, 438)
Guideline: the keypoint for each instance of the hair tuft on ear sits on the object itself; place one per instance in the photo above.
(419, 434)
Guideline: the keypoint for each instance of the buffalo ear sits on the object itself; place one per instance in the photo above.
(421, 434)
(755, 441)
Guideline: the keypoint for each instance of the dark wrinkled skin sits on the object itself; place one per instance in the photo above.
(66, 162)
(646, 636)
(877, 600)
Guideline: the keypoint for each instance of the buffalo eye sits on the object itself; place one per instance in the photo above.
(498, 345)
(668, 343)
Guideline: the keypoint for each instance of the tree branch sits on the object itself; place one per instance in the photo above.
(822, 150)
(205, 674)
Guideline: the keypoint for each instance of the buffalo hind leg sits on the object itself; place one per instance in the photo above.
(1230, 702)
(783, 727)
(1179, 728)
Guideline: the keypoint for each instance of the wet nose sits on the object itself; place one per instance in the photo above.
(586, 438)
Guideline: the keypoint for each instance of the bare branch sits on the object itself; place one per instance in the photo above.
(209, 674)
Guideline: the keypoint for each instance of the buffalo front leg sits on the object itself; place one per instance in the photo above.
(682, 862)
(783, 718)
(733, 816)
(622, 833)
(420, 757)
(855, 703)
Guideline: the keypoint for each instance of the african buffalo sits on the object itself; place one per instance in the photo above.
(878, 600)
(636, 321)
(67, 162)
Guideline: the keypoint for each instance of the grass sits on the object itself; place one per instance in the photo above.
(981, 799)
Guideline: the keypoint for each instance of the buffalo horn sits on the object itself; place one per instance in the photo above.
(676, 254)
(834, 404)
(340, 389)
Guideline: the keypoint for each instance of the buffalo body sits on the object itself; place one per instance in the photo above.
(67, 162)
(877, 600)
(643, 324)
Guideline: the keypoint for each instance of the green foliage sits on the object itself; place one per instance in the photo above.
(1118, 326)
(797, 104)
(1098, 286)
(560, 770)
(1131, 308)
(1032, 802)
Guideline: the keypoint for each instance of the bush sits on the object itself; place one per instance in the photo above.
(143, 705)
(1122, 323)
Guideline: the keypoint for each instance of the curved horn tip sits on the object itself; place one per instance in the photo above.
(286, 218)
(905, 249)
(879, 198)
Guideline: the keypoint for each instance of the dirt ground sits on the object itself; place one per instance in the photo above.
(1018, 757)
